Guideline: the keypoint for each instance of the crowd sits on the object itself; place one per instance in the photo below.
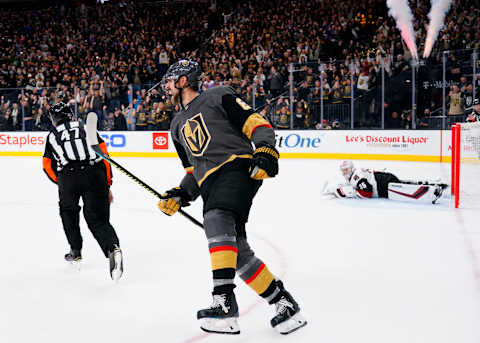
(105, 58)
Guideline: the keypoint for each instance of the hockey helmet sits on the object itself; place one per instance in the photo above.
(60, 113)
(346, 168)
(188, 68)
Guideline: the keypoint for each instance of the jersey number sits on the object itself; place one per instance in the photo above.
(243, 104)
(67, 134)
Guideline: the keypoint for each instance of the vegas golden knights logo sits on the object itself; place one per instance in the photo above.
(196, 135)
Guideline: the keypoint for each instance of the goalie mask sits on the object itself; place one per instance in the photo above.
(190, 69)
(60, 113)
(346, 167)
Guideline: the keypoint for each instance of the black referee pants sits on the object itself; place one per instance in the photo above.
(90, 184)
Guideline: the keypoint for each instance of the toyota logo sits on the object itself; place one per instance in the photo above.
(160, 140)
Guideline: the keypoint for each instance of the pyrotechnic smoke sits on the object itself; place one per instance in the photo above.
(437, 17)
(400, 10)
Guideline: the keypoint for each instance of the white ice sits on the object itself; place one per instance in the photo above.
(363, 271)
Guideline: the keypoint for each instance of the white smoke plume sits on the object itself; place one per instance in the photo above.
(402, 14)
(437, 17)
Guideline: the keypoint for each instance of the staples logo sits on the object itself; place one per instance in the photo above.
(160, 140)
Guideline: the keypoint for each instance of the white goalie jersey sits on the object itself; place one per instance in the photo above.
(367, 183)
(364, 183)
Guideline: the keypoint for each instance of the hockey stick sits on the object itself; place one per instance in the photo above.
(91, 129)
(154, 86)
(425, 183)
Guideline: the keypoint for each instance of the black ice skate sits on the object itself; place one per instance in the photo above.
(438, 192)
(74, 257)
(116, 263)
(288, 317)
(221, 316)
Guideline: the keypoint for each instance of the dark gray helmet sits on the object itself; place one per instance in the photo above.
(188, 68)
(60, 113)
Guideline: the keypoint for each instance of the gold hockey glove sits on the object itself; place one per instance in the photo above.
(264, 162)
(175, 198)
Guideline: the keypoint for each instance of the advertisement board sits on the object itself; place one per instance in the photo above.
(342, 144)
(418, 145)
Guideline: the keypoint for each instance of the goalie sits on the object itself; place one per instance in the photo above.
(366, 183)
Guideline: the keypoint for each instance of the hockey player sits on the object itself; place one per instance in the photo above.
(474, 116)
(366, 183)
(213, 134)
(70, 163)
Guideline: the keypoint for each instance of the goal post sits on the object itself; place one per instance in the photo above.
(465, 167)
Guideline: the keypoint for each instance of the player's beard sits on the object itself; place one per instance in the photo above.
(176, 99)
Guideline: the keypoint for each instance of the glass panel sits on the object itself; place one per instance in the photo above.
(398, 92)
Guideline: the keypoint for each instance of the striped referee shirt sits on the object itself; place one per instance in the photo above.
(67, 144)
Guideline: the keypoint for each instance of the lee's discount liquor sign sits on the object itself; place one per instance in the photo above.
(416, 145)
(393, 141)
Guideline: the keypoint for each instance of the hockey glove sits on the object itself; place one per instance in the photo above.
(176, 197)
(345, 191)
(264, 162)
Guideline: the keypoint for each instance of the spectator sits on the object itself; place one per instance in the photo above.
(142, 119)
(119, 121)
(394, 121)
(275, 81)
(130, 115)
(424, 121)
(300, 116)
(283, 117)
(455, 101)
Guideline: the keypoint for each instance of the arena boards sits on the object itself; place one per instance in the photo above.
(391, 145)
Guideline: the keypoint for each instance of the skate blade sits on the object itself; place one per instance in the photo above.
(117, 272)
(292, 324)
(227, 326)
(76, 265)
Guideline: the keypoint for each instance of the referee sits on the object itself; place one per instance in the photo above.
(70, 162)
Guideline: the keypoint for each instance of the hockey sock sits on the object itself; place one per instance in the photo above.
(222, 244)
(255, 273)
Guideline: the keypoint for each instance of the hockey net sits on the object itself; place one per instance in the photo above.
(466, 164)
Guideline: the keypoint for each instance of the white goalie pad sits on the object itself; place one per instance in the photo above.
(414, 193)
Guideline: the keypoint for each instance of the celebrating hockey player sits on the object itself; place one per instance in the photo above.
(213, 134)
(69, 162)
(366, 183)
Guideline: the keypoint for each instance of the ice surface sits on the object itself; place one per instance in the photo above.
(370, 271)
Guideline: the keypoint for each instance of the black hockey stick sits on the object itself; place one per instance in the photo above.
(91, 129)
(425, 183)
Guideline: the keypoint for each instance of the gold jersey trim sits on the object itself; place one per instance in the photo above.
(230, 159)
(253, 121)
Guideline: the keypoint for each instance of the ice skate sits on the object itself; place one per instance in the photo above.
(116, 263)
(221, 316)
(288, 317)
(437, 194)
(75, 258)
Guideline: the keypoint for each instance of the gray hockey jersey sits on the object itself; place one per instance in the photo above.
(215, 128)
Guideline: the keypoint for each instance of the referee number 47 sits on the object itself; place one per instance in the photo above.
(73, 133)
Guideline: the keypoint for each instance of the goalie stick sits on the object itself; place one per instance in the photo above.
(427, 183)
(91, 129)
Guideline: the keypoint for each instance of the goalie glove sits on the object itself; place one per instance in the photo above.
(345, 192)
(174, 199)
(264, 162)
